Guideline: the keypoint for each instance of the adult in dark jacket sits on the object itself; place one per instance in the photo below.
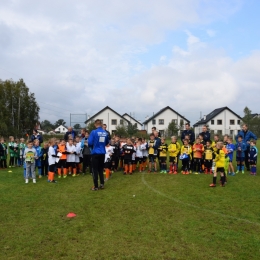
(247, 136)
(189, 132)
(104, 126)
(153, 131)
(98, 140)
(70, 132)
(205, 133)
(36, 135)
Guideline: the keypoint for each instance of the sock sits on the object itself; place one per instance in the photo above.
(74, 170)
(225, 177)
(107, 173)
(223, 180)
(130, 168)
(242, 167)
(171, 168)
(59, 171)
(64, 171)
(214, 180)
(175, 167)
(238, 167)
(126, 168)
(253, 169)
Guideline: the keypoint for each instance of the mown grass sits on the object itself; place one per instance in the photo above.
(170, 217)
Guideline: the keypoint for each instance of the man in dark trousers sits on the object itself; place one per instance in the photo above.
(98, 140)
(189, 132)
(108, 133)
(247, 136)
(205, 133)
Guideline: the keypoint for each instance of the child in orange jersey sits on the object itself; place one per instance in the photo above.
(198, 149)
(62, 164)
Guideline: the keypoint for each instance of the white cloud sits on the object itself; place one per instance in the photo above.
(211, 33)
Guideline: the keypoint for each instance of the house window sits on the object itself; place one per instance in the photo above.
(219, 132)
(232, 122)
(219, 122)
(154, 122)
(238, 122)
(161, 121)
(212, 122)
(121, 122)
(174, 121)
(63, 129)
(113, 122)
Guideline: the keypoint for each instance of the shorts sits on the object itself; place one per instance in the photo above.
(62, 164)
(152, 158)
(71, 164)
(139, 159)
(52, 168)
(220, 169)
(162, 159)
(144, 158)
(240, 159)
(127, 161)
(172, 159)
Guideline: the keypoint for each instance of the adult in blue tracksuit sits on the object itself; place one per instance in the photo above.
(98, 140)
(247, 136)
(205, 134)
(36, 135)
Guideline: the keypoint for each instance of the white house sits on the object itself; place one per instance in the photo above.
(162, 119)
(109, 117)
(220, 121)
(61, 129)
(133, 121)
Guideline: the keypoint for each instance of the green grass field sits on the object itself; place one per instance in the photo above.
(170, 217)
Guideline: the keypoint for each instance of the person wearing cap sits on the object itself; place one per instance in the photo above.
(36, 135)
(98, 140)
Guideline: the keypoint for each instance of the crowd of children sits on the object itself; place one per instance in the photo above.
(73, 156)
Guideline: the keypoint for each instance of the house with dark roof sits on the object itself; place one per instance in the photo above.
(162, 118)
(220, 121)
(109, 117)
(133, 121)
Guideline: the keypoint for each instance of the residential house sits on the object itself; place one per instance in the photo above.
(161, 120)
(220, 121)
(61, 129)
(109, 117)
(133, 121)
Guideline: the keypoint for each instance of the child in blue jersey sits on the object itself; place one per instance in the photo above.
(38, 159)
(252, 157)
(241, 149)
(230, 151)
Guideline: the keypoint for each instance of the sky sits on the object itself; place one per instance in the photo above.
(134, 56)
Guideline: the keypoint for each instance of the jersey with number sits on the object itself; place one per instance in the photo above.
(128, 150)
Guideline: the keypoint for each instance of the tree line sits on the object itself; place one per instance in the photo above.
(19, 111)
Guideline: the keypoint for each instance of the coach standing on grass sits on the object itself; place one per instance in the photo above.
(98, 139)
(247, 136)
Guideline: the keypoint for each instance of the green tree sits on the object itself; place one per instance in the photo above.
(247, 116)
(19, 111)
(131, 129)
(173, 129)
(47, 126)
(121, 130)
(77, 126)
(59, 122)
(90, 126)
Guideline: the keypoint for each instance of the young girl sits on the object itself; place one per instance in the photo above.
(198, 150)
(11, 151)
(51, 160)
(186, 151)
(163, 155)
(71, 152)
(220, 163)
(174, 149)
(128, 150)
(62, 164)
(230, 150)
(139, 154)
(38, 160)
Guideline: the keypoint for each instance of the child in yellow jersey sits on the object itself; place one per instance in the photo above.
(186, 151)
(220, 164)
(174, 149)
(208, 157)
(162, 149)
(214, 143)
(151, 146)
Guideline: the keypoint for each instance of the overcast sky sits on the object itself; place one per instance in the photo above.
(134, 56)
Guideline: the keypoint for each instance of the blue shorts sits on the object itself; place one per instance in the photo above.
(240, 159)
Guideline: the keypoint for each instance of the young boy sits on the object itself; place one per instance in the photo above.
(45, 164)
(108, 163)
(230, 150)
(21, 149)
(198, 149)
(240, 147)
(185, 156)
(38, 160)
(128, 150)
(252, 157)
(11, 151)
(174, 149)
(216, 139)
(51, 160)
(220, 163)
(152, 153)
(162, 149)
(208, 157)
(4, 154)
(145, 152)
(139, 154)
(62, 163)
(30, 155)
